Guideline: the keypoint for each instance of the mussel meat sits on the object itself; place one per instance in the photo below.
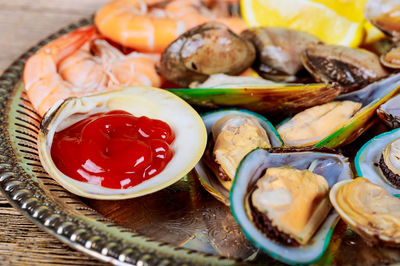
(390, 163)
(210, 48)
(309, 127)
(233, 134)
(289, 205)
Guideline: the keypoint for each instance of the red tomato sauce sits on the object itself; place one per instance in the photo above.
(113, 149)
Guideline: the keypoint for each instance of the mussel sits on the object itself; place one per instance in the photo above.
(138, 101)
(278, 51)
(377, 160)
(316, 123)
(389, 163)
(352, 122)
(369, 210)
(352, 68)
(210, 48)
(272, 178)
(233, 134)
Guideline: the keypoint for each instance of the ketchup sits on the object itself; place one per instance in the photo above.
(113, 149)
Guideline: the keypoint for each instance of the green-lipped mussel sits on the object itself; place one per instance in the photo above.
(232, 134)
(369, 210)
(139, 101)
(378, 161)
(275, 99)
(291, 224)
(355, 118)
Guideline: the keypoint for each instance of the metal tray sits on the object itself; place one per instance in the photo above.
(182, 224)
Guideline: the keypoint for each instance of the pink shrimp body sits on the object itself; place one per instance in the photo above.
(135, 24)
(66, 68)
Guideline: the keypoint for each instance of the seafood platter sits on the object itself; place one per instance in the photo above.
(202, 133)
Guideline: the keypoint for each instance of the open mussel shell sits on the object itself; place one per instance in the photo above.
(367, 160)
(347, 207)
(206, 176)
(333, 167)
(371, 98)
(389, 112)
(139, 101)
(275, 98)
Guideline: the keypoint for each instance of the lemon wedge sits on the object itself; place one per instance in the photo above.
(334, 22)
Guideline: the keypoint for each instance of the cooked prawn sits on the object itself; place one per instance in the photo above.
(146, 27)
(66, 68)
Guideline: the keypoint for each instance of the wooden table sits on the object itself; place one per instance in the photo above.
(23, 23)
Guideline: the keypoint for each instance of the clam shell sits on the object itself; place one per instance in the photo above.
(278, 98)
(252, 168)
(207, 178)
(367, 159)
(389, 112)
(370, 236)
(139, 101)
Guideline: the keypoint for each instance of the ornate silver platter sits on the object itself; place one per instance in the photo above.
(180, 225)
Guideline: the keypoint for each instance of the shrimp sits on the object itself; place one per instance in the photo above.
(147, 27)
(66, 68)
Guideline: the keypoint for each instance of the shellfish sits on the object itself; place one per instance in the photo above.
(278, 51)
(236, 132)
(389, 112)
(351, 68)
(374, 153)
(332, 167)
(139, 101)
(370, 98)
(369, 210)
(210, 48)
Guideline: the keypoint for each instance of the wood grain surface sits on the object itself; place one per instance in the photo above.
(23, 23)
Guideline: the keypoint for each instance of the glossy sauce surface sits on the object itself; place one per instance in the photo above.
(114, 149)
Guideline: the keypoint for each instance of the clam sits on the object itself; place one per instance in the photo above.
(351, 68)
(377, 160)
(389, 112)
(233, 133)
(391, 58)
(207, 49)
(278, 51)
(384, 14)
(351, 121)
(369, 210)
(139, 101)
(289, 211)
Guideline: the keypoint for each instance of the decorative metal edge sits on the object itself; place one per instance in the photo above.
(101, 239)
